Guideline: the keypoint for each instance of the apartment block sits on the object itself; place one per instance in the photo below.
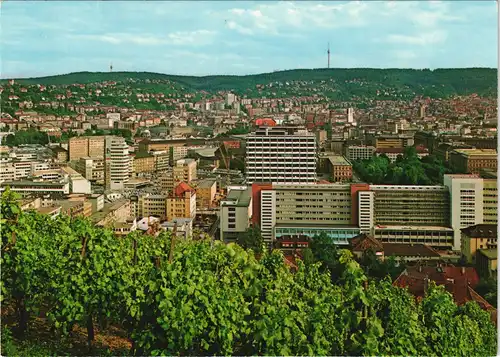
(281, 155)
(235, 212)
(472, 161)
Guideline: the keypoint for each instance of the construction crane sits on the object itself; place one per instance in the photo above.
(226, 158)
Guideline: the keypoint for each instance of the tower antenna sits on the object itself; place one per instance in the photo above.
(328, 54)
(111, 67)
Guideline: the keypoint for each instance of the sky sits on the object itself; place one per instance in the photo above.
(243, 37)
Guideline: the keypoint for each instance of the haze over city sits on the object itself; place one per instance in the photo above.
(208, 38)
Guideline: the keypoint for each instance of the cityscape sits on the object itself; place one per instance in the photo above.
(325, 210)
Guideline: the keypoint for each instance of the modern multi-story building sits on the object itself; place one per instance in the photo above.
(307, 209)
(281, 155)
(473, 160)
(466, 198)
(354, 153)
(117, 170)
(411, 205)
(235, 212)
(490, 201)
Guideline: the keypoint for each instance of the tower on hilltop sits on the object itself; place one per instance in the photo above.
(328, 52)
(111, 67)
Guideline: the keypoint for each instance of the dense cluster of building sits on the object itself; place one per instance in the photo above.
(294, 181)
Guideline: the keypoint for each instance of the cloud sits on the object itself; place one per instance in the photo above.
(179, 38)
(238, 28)
(423, 39)
(404, 54)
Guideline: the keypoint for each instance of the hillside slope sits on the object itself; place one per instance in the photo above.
(350, 82)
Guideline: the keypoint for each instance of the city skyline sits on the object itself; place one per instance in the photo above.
(48, 38)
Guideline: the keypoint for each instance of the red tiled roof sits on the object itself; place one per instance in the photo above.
(182, 188)
(363, 242)
(265, 122)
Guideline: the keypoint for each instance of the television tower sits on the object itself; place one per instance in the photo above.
(328, 54)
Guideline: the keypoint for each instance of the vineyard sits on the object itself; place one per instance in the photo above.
(206, 298)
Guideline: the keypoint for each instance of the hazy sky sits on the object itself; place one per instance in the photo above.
(233, 37)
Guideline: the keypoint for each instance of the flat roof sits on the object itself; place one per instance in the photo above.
(238, 198)
(414, 228)
(477, 152)
(206, 183)
(31, 183)
(339, 160)
(315, 225)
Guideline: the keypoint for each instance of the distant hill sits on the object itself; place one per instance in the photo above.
(348, 82)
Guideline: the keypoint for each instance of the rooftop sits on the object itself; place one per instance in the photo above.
(207, 183)
(238, 198)
(415, 228)
(476, 152)
(339, 160)
(481, 231)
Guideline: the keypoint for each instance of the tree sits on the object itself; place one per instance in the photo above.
(251, 239)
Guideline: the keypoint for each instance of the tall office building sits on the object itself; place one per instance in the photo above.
(466, 198)
(118, 162)
(281, 155)
(307, 209)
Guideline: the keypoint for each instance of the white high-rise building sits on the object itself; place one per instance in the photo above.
(365, 211)
(466, 201)
(281, 155)
(118, 161)
(350, 115)
(267, 214)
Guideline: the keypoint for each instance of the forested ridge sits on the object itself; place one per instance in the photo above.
(335, 82)
(206, 298)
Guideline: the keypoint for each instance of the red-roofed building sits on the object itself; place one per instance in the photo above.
(458, 281)
(181, 203)
(265, 122)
